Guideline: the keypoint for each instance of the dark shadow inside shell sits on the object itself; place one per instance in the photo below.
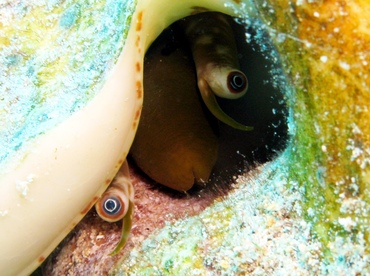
(263, 106)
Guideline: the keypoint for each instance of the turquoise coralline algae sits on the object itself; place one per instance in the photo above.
(54, 59)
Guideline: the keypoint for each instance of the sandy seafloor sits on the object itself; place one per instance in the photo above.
(256, 229)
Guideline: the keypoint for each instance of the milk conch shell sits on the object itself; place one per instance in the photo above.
(62, 173)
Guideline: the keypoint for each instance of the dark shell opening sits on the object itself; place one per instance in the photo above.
(263, 107)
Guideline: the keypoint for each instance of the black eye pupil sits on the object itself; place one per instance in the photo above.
(112, 206)
(237, 82)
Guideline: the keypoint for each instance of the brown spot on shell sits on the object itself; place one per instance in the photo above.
(137, 114)
(137, 42)
(88, 206)
(108, 181)
(137, 117)
(138, 67)
(139, 91)
(119, 163)
(139, 21)
(41, 259)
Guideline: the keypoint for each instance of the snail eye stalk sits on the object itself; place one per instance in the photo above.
(117, 204)
(215, 54)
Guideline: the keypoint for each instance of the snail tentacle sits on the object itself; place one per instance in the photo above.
(210, 101)
(126, 229)
(117, 203)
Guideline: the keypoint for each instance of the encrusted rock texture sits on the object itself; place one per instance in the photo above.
(86, 250)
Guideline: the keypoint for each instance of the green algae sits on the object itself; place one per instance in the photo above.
(324, 170)
(55, 57)
(323, 174)
(255, 230)
(330, 145)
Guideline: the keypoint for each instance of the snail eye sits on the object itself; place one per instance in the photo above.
(237, 82)
(112, 205)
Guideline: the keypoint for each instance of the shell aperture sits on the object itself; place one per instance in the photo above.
(175, 144)
(213, 47)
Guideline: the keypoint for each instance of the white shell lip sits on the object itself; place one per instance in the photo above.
(66, 169)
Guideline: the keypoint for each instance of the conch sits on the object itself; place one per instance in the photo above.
(54, 171)
(52, 175)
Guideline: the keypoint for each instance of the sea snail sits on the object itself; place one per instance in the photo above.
(52, 182)
(175, 144)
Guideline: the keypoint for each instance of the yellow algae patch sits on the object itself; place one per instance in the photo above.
(326, 53)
